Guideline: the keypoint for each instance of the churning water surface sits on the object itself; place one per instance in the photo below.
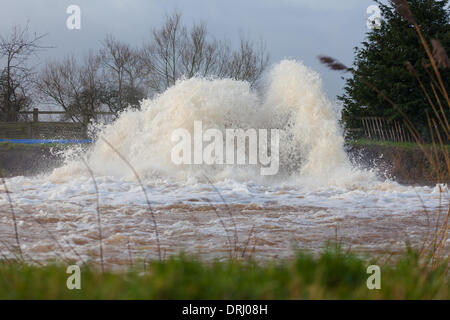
(318, 194)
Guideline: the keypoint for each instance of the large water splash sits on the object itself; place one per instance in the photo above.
(320, 191)
(311, 144)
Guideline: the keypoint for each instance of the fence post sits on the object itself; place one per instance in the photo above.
(35, 115)
(85, 125)
(85, 120)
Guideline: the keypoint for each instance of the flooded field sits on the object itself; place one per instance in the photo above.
(318, 195)
(269, 222)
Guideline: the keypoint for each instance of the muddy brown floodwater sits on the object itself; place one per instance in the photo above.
(47, 231)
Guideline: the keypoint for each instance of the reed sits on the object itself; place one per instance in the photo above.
(99, 219)
(438, 123)
(138, 178)
(13, 215)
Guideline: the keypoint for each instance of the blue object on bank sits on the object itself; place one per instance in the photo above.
(44, 141)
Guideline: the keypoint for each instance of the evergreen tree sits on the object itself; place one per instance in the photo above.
(381, 61)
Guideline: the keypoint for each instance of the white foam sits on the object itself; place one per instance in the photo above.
(311, 147)
(316, 176)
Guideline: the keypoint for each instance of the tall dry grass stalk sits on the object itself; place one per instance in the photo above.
(138, 178)
(13, 215)
(58, 244)
(14, 253)
(432, 250)
(232, 235)
(130, 255)
(99, 219)
(230, 214)
(17, 252)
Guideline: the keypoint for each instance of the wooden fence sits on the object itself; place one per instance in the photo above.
(378, 128)
(45, 129)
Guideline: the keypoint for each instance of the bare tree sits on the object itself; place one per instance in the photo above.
(111, 78)
(116, 76)
(122, 74)
(175, 51)
(248, 62)
(160, 58)
(76, 88)
(198, 54)
(16, 76)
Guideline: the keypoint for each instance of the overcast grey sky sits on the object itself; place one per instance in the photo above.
(300, 29)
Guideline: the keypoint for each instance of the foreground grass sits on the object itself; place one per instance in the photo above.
(332, 275)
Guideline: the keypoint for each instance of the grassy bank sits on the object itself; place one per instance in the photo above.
(402, 161)
(18, 159)
(332, 275)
